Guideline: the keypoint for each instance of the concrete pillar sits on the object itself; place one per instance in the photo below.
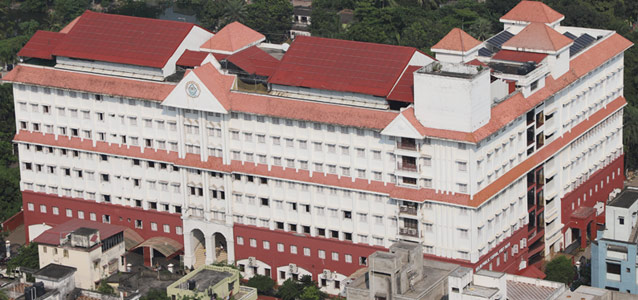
(188, 249)
(210, 249)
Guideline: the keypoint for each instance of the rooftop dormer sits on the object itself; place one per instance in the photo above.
(526, 12)
(457, 47)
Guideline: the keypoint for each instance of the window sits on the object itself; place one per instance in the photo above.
(69, 213)
(138, 224)
(462, 166)
(613, 268)
(167, 228)
(43, 209)
(92, 216)
(252, 243)
(462, 187)
(335, 256)
(306, 251)
(240, 240)
(621, 220)
(280, 247)
(56, 210)
(321, 254)
(348, 258)
(266, 245)
(293, 249)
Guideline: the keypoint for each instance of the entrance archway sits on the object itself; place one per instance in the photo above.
(221, 248)
(198, 247)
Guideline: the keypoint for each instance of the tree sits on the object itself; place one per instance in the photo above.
(233, 11)
(105, 288)
(289, 290)
(27, 257)
(311, 293)
(560, 269)
(263, 284)
(272, 18)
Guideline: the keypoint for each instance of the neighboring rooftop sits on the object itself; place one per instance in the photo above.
(205, 278)
(533, 11)
(517, 290)
(254, 60)
(404, 90)
(625, 199)
(538, 36)
(41, 44)
(232, 38)
(457, 40)
(340, 65)
(122, 39)
(191, 58)
(54, 235)
(54, 272)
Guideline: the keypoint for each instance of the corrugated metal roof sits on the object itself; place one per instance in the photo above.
(41, 44)
(191, 58)
(123, 39)
(527, 291)
(340, 65)
(404, 90)
(254, 61)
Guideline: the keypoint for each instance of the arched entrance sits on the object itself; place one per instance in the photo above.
(221, 248)
(198, 247)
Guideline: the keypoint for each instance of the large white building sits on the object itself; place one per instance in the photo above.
(305, 160)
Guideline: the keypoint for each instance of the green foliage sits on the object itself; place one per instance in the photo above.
(272, 18)
(156, 294)
(305, 287)
(311, 293)
(263, 284)
(560, 269)
(27, 257)
(105, 288)
(138, 9)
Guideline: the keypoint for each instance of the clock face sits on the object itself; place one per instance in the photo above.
(192, 89)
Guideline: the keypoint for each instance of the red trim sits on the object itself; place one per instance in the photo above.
(13, 222)
(315, 265)
(88, 206)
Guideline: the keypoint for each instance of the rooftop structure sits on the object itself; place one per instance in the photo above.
(211, 281)
(492, 158)
(615, 249)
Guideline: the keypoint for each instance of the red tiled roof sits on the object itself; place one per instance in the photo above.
(532, 272)
(123, 39)
(476, 62)
(53, 235)
(404, 90)
(340, 65)
(234, 36)
(99, 84)
(538, 36)
(191, 58)
(41, 44)
(216, 83)
(532, 11)
(457, 40)
(69, 26)
(519, 56)
(253, 60)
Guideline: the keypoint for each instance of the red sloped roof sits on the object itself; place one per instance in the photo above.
(253, 60)
(218, 84)
(191, 58)
(340, 65)
(457, 40)
(404, 90)
(519, 56)
(532, 11)
(123, 39)
(233, 37)
(41, 44)
(99, 84)
(532, 272)
(538, 36)
(53, 235)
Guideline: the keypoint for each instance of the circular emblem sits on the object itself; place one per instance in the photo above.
(192, 89)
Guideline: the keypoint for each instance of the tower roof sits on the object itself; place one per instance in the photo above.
(234, 36)
(532, 11)
(538, 36)
(457, 40)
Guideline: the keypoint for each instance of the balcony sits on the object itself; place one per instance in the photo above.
(410, 210)
(406, 146)
(407, 167)
(413, 232)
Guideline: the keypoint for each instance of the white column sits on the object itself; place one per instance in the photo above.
(188, 247)
(210, 249)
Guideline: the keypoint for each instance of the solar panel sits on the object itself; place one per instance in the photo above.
(499, 39)
(581, 43)
(485, 52)
(570, 35)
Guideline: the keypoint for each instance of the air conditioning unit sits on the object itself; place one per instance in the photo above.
(327, 274)
(252, 261)
(292, 268)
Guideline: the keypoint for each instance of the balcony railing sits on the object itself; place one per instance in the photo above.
(407, 167)
(411, 210)
(406, 146)
(413, 232)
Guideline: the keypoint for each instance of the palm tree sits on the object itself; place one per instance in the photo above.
(234, 11)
